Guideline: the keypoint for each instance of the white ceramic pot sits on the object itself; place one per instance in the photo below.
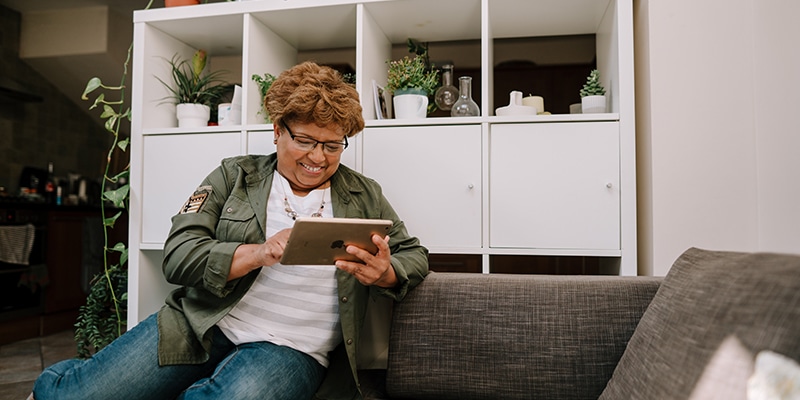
(593, 104)
(193, 115)
(410, 106)
(229, 114)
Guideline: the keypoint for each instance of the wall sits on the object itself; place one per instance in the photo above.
(714, 131)
(777, 62)
(31, 134)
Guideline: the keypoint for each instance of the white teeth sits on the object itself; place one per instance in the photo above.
(312, 169)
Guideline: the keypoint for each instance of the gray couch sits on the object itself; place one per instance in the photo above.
(691, 335)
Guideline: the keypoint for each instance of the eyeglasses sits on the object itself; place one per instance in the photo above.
(306, 143)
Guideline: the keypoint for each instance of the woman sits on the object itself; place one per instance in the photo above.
(243, 326)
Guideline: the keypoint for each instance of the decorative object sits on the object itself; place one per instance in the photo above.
(575, 108)
(410, 77)
(447, 94)
(411, 73)
(776, 376)
(515, 106)
(383, 105)
(465, 106)
(192, 87)
(593, 99)
(410, 103)
(192, 115)
(264, 83)
(534, 101)
(229, 114)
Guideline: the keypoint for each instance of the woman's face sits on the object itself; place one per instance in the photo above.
(305, 169)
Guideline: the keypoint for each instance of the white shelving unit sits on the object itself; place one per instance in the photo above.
(552, 185)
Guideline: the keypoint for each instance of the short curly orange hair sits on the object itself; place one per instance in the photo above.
(310, 93)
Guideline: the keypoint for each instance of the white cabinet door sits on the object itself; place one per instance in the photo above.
(432, 177)
(555, 186)
(260, 142)
(174, 166)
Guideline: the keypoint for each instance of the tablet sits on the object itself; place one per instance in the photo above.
(322, 241)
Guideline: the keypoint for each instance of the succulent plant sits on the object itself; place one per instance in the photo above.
(593, 87)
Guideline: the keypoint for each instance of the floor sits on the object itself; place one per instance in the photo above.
(21, 362)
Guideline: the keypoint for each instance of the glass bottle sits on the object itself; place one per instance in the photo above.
(447, 94)
(465, 106)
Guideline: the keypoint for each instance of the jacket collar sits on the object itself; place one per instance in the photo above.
(260, 170)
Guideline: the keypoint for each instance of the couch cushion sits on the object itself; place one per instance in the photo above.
(495, 336)
(714, 312)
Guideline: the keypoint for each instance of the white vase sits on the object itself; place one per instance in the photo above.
(593, 104)
(410, 106)
(193, 115)
(515, 106)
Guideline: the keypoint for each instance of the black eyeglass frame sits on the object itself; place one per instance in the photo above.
(317, 142)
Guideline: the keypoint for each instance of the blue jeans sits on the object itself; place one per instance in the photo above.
(128, 369)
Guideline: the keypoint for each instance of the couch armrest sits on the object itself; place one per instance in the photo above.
(489, 336)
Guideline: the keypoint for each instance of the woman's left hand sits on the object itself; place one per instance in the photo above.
(376, 270)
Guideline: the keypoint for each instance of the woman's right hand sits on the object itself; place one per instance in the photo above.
(272, 249)
(248, 257)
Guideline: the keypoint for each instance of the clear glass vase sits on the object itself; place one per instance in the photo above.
(446, 95)
(465, 106)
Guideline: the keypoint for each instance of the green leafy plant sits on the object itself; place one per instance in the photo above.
(420, 49)
(191, 85)
(103, 317)
(593, 87)
(408, 74)
(264, 83)
(349, 78)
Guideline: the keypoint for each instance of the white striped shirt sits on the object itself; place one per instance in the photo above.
(290, 305)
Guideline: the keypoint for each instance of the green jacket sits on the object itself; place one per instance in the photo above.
(200, 247)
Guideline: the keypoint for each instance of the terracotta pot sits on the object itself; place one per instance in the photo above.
(175, 3)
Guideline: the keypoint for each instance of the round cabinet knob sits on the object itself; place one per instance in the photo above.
(609, 185)
(471, 186)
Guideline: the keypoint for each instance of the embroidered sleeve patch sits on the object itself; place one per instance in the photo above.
(196, 200)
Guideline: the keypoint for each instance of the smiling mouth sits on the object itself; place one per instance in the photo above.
(310, 168)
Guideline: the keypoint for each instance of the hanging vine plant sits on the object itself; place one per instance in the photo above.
(103, 318)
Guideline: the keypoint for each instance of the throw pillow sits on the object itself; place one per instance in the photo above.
(776, 377)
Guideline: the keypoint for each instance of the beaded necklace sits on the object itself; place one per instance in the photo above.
(288, 207)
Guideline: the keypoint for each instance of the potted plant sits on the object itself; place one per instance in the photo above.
(194, 92)
(593, 99)
(103, 318)
(411, 82)
(264, 83)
